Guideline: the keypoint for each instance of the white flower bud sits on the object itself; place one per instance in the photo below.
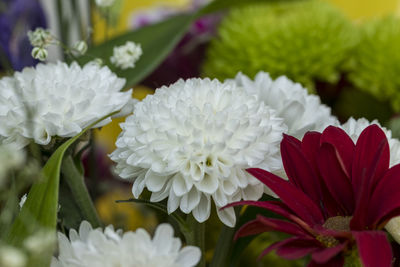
(97, 61)
(39, 53)
(80, 47)
(125, 56)
(40, 37)
(22, 201)
(12, 257)
(105, 3)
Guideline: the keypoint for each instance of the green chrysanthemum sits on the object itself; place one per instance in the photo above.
(376, 62)
(306, 41)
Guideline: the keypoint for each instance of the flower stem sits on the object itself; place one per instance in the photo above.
(223, 247)
(197, 237)
(78, 188)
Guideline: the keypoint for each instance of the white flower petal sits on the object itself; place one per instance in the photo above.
(227, 216)
(202, 212)
(189, 256)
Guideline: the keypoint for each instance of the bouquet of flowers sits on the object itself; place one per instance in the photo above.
(259, 135)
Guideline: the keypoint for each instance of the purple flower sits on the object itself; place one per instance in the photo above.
(16, 20)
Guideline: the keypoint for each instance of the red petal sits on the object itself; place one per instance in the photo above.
(277, 207)
(385, 198)
(298, 168)
(295, 199)
(326, 254)
(310, 146)
(262, 224)
(370, 162)
(292, 248)
(374, 248)
(254, 227)
(335, 178)
(343, 144)
(296, 249)
(368, 148)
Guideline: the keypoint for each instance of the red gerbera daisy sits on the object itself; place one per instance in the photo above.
(339, 195)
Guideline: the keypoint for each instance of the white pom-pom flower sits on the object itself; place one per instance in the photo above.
(110, 248)
(191, 143)
(300, 111)
(57, 100)
(354, 128)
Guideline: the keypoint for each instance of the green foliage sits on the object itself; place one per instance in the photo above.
(157, 40)
(306, 41)
(39, 212)
(375, 66)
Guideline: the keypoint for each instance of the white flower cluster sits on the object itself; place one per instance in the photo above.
(125, 56)
(192, 141)
(109, 248)
(57, 100)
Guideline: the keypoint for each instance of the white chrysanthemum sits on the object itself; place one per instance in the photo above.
(354, 128)
(300, 111)
(125, 56)
(110, 248)
(57, 100)
(192, 141)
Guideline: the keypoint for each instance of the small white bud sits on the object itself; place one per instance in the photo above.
(22, 201)
(39, 53)
(125, 56)
(40, 37)
(12, 257)
(80, 47)
(105, 3)
(97, 61)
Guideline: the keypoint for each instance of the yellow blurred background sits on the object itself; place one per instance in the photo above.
(355, 9)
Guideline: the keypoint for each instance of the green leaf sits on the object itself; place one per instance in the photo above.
(40, 209)
(157, 41)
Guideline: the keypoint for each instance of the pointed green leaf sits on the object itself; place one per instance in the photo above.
(40, 209)
(156, 40)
